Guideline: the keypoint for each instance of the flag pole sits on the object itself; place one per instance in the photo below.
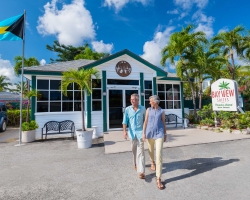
(21, 98)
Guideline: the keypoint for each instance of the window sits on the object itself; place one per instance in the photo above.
(148, 92)
(96, 95)
(51, 99)
(169, 95)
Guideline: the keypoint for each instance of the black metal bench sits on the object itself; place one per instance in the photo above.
(174, 119)
(55, 127)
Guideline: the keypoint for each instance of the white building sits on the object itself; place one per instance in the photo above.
(122, 74)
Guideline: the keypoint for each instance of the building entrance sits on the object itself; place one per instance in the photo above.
(118, 100)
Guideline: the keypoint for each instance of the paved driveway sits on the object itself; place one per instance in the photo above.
(56, 169)
(10, 135)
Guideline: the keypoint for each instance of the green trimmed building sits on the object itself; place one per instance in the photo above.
(122, 74)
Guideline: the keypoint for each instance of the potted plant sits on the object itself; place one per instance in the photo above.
(82, 78)
(29, 131)
(29, 127)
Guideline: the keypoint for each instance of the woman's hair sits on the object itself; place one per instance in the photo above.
(155, 99)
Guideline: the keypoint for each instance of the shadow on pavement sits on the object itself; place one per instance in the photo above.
(98, 142)
(197, 165)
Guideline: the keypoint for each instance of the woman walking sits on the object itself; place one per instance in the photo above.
(154, 130)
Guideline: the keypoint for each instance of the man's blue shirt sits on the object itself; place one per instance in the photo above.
(134, 120)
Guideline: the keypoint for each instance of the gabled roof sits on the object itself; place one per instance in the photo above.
(159, 71)
(58, 68)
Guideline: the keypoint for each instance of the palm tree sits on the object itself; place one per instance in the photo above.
(32, 61)
(206, 65)
(180, 48)
(4, 83)
(18, 87)
(83, 79)
(230, 42)
(28, 94)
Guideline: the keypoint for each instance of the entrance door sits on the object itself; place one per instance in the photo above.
(118, 100)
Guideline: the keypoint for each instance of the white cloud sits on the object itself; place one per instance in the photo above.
(152, 49)
(42, 62)
(174, 12)
(183, 14)
(206, 29)
(188, 4)
(119, 4)
(171, 66)
(205, 23)
(100, 47)
(71, 25)
(239, 61)
(7, 69)
(201, 17)
(185, 6)
(224, 29)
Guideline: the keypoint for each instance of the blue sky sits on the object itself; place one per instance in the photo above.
(141, 26)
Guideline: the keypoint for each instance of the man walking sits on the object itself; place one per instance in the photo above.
(134, 116)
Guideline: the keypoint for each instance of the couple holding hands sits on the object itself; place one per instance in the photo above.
(145, 125)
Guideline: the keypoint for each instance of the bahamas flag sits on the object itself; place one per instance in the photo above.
(11, 29)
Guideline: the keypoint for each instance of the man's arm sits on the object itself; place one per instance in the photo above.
(145, 126)
(124, 124)
(125, 134)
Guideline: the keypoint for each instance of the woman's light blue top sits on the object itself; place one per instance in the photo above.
(155, 126)
(134, 120)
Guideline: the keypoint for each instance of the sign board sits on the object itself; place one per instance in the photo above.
(224, 94)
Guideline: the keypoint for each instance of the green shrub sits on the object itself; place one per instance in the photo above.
(190, 117)
(206, 112)
(207, 122)
(28, 126)
(14, 117)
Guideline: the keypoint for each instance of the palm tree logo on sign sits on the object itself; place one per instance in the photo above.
(224, 85)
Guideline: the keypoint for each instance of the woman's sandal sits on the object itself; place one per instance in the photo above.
(152, 166)
(159, 184)
(142, 176)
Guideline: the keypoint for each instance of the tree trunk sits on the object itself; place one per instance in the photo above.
(232, 59)
(82, 111)
(28, 111)
(193, 93)
(200, 95)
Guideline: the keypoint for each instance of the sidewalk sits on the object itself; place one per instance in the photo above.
(115, 143)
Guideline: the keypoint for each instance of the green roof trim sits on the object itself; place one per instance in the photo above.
(159, 72)
(43, 73)
(170, 79)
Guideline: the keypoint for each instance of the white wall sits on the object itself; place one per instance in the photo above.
(97, 120)
(97, 116)
(137, 68)
(42, 118)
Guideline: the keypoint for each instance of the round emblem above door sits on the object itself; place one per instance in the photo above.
(123, 68)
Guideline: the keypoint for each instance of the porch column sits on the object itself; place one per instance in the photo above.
(154, 86)
(104, 100)
(182, 100)
(33, 99)
(89, 111)
(142, 88)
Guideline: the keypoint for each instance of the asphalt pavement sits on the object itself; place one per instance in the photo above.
(57, 169)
